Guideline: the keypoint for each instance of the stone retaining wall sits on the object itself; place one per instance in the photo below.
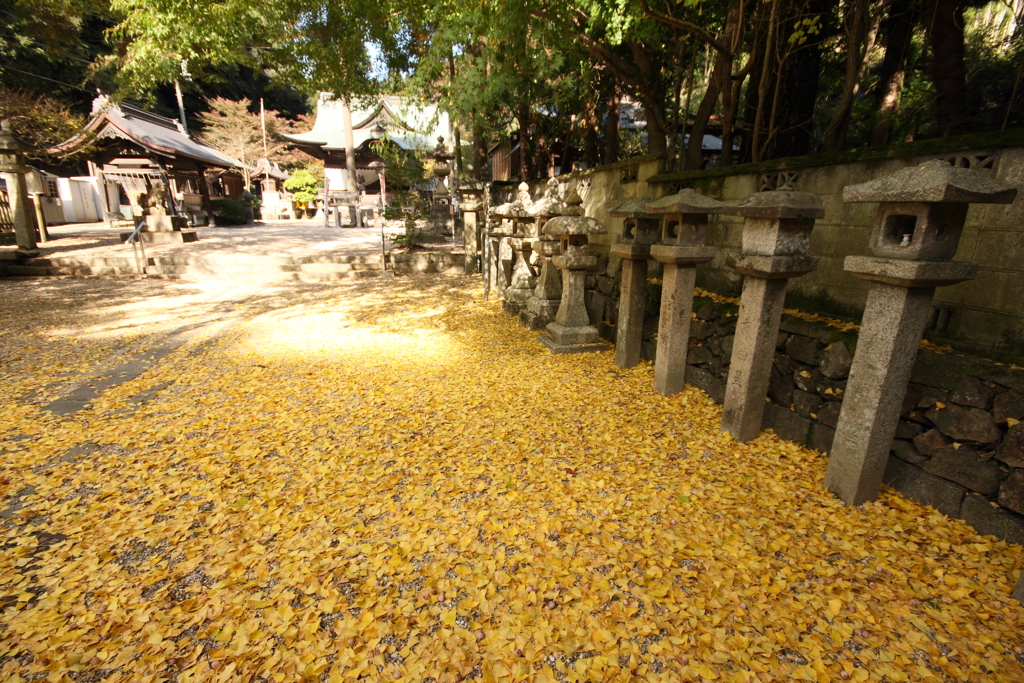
(984, 315)
(959, 446)
(417, 263)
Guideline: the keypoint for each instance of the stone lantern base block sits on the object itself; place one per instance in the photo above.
(539, 313)
(631, 251)
(515, 300)
(162, 237)
(164, 223)
(558, 348)
(904, 273)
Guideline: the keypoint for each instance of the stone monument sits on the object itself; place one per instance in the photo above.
(160, 227)
(921, 213)
(639, 232)
(542, 306)
(776, 236)
(571, 332)
(683, 232)
(520, 289)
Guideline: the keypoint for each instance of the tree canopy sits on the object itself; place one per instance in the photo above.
(770, 78)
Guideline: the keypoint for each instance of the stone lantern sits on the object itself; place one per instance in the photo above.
(683, 233)
(440, 209)
(571, 332)
(520, 289)
(12, 163)
(499, 269)
(776, 236)
(543, 305)
(471, 206)
(640, 230)
(921, 213)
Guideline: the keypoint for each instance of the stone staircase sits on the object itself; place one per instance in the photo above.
(247, 268)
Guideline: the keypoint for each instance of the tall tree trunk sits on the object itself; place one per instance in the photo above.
(798, 88)
(479, 150)
(761, 84)
(525, 157)
(611, 127)
(897, 31)
(860, 34)
(590, 134)
(945, 19)
(677, 88)
(720, 80)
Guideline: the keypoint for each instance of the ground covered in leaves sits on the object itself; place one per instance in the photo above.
(392, 480)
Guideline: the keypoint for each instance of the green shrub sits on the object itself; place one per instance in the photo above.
(228, 212)
(303, 185)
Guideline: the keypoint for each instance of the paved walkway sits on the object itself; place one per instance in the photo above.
(270, 238)
(391, 480)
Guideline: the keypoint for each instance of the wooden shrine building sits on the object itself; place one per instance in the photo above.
(133, 148)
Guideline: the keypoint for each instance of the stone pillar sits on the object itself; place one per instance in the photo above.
(12, 163)
(683, 232)
(471, 204)
(639, 232)
(776, 236)
(542, 306)
(492, 264)
(571, 332)
(917, 231)
(37, 202)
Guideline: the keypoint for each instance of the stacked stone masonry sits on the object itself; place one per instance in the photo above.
(959, 446)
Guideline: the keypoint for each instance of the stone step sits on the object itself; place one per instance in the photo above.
(263, 276)
(245, 268)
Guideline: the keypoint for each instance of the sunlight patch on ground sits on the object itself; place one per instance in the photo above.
(394, 481)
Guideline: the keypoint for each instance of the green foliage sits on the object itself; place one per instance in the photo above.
(317, 47)
(404, 167)
(228, 211)
(303, 185)
(407, 241)
(233, 129)
(41, 121)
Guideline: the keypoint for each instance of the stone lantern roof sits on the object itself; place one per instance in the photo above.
(550, 204)
(778, 204)
(574, 225)
(632, 208)
(685, 201)
(932, 182)
(572, 221)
